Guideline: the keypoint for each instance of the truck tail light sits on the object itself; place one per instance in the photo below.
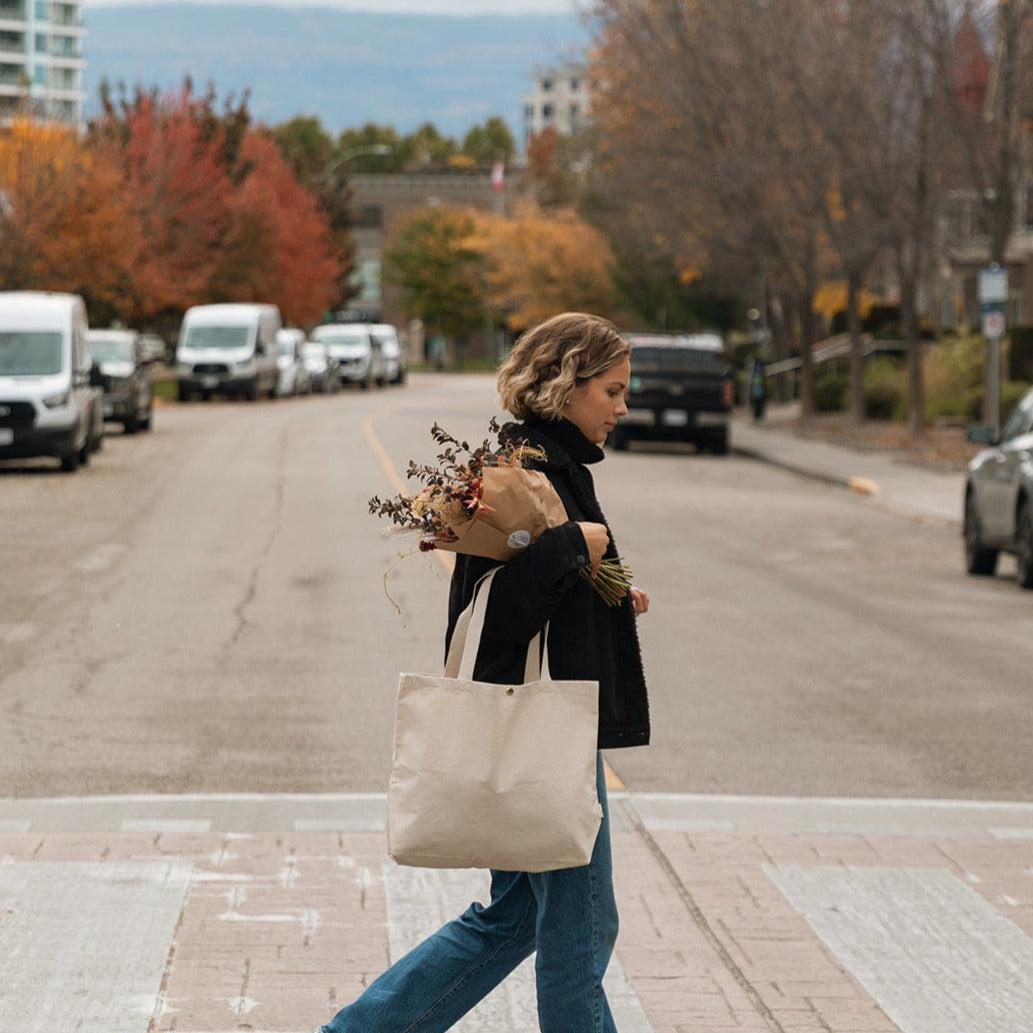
(727, 393)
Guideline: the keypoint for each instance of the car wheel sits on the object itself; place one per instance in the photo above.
(719, 442)
(1024, 544)
(70, 461)
(980, 561)
(131, 424)
(182, 393)
(84, 452)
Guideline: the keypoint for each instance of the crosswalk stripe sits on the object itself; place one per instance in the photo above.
(933, 953)
(420, 901)
(85, 943)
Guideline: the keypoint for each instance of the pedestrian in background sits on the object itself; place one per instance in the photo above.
(565, 380)
(757, 389)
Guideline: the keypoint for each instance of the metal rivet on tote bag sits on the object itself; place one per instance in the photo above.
(509, 692)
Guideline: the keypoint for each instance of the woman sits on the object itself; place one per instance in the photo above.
(565, 380)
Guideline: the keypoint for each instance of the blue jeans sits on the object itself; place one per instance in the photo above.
(568, 916)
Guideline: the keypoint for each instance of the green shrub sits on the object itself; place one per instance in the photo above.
(952, 372)
(885, 396)
(973, 409)
(961, 357)
(830, 392)
(1011, 392)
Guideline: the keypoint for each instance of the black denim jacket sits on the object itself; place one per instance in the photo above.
(587, 638)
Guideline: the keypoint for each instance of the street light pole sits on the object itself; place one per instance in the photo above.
(356, 152)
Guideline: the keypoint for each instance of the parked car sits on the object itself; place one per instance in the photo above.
(124, 375)
(998, 501)
(359, 358)
(295, 378)
(681, 389)
(228, 349)
(322, 369)
(396, 356)
(154, 348)
(48, 407)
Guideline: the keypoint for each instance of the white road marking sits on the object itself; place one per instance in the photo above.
(420, 901)
(1010, 833)
(84, 945)
(932, 953)
(170, 825)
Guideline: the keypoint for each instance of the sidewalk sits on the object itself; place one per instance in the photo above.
(150, 914)
(190, 914)
(895, 484)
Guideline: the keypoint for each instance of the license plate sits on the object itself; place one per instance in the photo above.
(674, 418)
(6, 436)
(711, 419)
(640, 417)
(209, 382)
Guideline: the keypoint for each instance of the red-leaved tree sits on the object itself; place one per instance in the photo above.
(279, 246)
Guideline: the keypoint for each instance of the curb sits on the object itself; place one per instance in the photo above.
(838, 480)
(863, 486)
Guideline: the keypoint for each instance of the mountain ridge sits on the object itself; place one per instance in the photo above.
(345, 67)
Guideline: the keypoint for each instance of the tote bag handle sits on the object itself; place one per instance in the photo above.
(466, 639)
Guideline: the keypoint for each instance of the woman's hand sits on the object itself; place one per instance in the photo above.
(597, 538)
(639, 600)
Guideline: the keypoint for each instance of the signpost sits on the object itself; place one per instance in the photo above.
(993, 294)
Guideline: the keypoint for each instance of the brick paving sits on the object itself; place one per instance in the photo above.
(275, 928)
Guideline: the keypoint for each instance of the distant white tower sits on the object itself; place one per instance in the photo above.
(41, 59)
(559, 99)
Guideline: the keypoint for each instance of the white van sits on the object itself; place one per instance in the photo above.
(228, 350)
(396, 357)
(48, 406)
(359, 358)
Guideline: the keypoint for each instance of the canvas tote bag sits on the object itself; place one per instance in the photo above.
(493, 776)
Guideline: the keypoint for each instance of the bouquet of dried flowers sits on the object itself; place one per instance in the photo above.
(484, 502)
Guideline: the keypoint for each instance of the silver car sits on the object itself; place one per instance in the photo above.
(359, 358)
(999, 495)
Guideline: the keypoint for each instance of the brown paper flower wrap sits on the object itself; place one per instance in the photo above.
(516, 506)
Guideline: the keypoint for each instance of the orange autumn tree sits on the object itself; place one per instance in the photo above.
(273, 216)
(62, 220)
(541, 264)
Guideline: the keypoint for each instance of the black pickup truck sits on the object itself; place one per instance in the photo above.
(682, 388)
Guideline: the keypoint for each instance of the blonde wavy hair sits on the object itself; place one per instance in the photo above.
(551, 359)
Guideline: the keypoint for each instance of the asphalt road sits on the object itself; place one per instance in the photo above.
(203, 609)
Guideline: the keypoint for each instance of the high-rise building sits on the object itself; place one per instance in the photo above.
(559, 100)
(41, 59)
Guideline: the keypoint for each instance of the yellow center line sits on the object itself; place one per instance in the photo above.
(447, 560)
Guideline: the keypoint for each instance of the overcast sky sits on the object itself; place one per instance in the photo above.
(386, 6)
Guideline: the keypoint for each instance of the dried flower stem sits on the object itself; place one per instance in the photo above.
(612, 581)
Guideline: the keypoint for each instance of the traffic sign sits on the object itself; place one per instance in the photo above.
(993, 322)
(993, 285)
